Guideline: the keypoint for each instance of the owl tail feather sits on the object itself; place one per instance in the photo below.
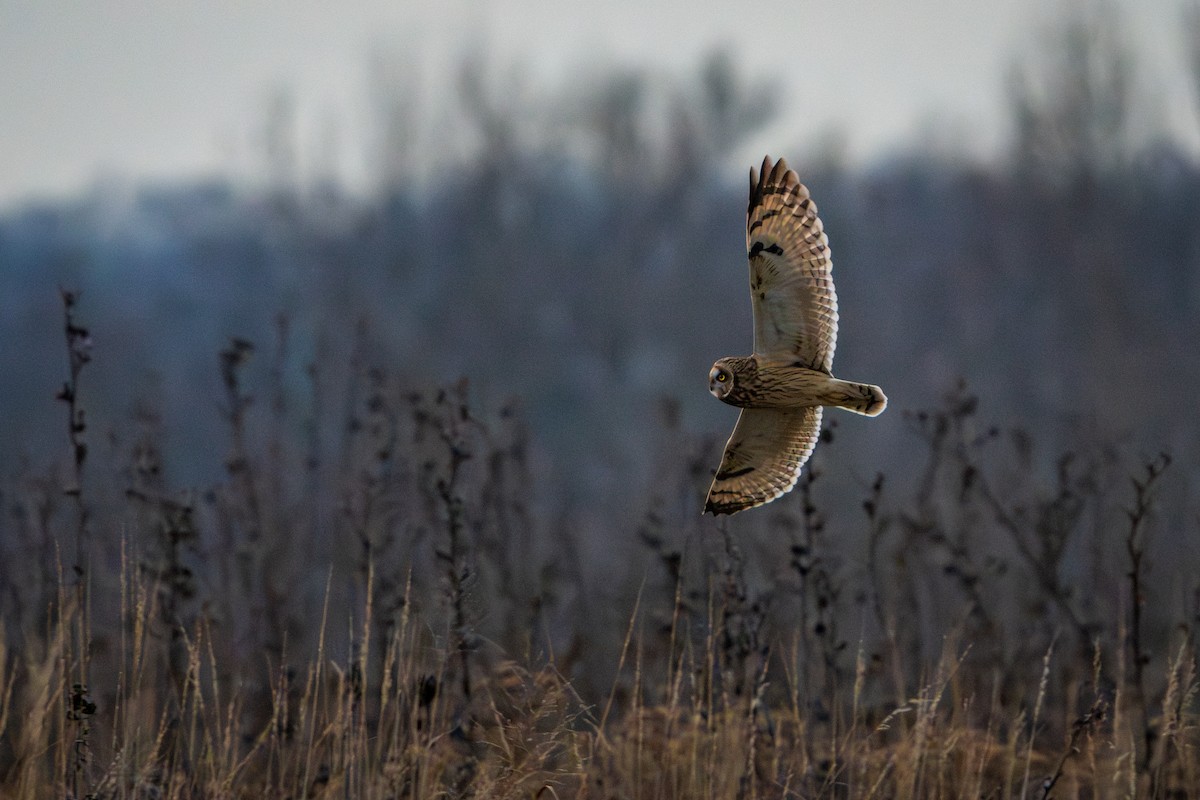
(861, 398)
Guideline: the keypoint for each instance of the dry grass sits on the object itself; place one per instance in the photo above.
(406, 731)
(423, 630)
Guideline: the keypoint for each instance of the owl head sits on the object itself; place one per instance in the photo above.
(729, 379)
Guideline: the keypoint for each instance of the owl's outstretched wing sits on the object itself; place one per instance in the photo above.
(791, 278)
(763, 457)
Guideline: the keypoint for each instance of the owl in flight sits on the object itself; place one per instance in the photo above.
(783, 384)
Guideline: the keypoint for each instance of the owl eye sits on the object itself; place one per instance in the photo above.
(722, 377)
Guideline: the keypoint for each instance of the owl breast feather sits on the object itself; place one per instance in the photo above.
(776, 386)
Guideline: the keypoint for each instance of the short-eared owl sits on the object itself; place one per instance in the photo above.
(782, 386)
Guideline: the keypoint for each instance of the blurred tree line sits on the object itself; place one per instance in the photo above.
(584, 251)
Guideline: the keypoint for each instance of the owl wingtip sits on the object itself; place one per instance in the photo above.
(721, 509)
(759, 174)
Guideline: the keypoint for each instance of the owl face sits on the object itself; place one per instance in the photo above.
(734, 380)
(720, 380)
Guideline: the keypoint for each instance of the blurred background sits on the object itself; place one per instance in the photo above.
(549, 200)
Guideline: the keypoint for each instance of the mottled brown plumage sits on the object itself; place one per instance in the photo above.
(782, 386)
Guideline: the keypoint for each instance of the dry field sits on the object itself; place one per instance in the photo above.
(389, 613)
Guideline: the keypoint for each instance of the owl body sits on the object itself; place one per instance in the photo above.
(784, 385)
(757, 382)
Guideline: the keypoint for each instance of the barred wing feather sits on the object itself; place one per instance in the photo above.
(763, 457)
(791, 278)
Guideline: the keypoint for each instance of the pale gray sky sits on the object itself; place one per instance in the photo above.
(108, 89)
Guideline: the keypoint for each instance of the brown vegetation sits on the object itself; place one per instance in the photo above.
(989, 635)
